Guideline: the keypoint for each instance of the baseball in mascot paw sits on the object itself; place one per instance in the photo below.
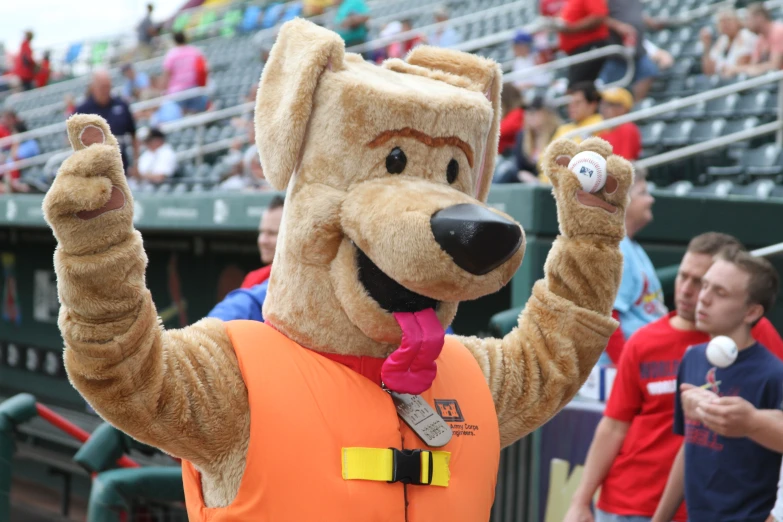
(89, 206)
(590, 170)
(587, 206)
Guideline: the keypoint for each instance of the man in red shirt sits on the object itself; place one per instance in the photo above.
(634, 444)
(267, 242)
(25, 65)
(625, 139)
(582, 27)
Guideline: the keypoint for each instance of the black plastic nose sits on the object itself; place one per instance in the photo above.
(477, 239)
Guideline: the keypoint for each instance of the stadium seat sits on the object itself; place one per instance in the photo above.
(760, 189)
(272, 15)
(251, 18)
(753, 104)
(651, 134)
(294, 9)
(677, 134)
(716, 189)
(723, 107)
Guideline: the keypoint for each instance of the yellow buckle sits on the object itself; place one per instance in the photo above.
(417, 467)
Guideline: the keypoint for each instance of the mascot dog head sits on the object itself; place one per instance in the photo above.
(387, 170)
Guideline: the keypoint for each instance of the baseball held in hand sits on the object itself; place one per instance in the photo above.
(722, 351)
(590, 169)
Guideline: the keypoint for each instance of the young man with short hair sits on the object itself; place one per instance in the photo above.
(634, 445)
(722, 477)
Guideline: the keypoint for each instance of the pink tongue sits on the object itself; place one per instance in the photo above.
(411, 368)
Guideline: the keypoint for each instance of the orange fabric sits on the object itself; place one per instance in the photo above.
(304, 408)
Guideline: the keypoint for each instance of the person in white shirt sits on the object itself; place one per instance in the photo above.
(525, 58)
(443, 36)
(157, 163)
(734, 47)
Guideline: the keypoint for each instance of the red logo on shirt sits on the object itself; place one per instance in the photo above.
(713, 381)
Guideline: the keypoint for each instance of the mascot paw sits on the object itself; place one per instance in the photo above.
(580, 212)
(89, 206)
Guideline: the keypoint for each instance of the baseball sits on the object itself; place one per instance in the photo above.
(590, 169)
(722, 351)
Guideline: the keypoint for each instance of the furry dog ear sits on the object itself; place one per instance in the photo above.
(284, 101)
(486, 77)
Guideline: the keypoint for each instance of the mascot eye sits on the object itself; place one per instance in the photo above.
(452, 171)
(396, 161)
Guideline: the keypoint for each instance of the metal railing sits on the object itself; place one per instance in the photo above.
(610, 50)
(681, 103)
(135, 107)
(768, 251)
(196, 120)
(452, 22)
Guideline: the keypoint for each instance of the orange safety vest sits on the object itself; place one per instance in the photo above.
(305, 409)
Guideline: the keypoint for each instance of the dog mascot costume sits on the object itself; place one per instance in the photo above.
(350, 403)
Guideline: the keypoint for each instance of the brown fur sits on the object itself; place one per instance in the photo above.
(317, 111)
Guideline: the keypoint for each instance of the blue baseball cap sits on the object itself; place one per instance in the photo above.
(522, 37)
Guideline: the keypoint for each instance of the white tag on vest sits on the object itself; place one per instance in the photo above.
(422, 419)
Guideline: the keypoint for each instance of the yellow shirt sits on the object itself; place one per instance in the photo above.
(568, 127)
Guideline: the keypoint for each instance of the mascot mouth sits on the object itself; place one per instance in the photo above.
(388, 293)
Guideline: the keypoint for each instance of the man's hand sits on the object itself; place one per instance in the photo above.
(625, 30)
(578, 513)
(705, 35)
(692, 397)
(729, 416)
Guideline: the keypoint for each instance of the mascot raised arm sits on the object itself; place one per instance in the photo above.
(349, 402)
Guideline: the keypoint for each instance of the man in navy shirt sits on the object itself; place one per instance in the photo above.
(724, 478)
(116, 112)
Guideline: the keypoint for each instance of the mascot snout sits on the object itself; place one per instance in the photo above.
(477, 239)
(432, 240)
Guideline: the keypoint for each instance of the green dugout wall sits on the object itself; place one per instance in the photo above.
(201, 246)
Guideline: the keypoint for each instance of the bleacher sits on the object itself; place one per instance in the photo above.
(233, 40)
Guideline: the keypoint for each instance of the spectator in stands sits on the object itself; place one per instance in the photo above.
(582, 111)
(25, 64)
(245, 171)
(633, 447)
(183, 68)
(550, 8)
(7, 123)
(401, 48)
(157, 163)
(315, 7)
(525, 58)
(135, 85)
(21, 149)
(512, 118)
(582, 27)
(541, 123)
(733, 48)
(639, 299)
(117, 114)
(268, 228)
(70, 105)
(445, 35)
(768, 53)
(662, 58)
(146, 32)
(627, 27)
(351, 21)
(720, 477)
(625, 139)
(44, 71)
